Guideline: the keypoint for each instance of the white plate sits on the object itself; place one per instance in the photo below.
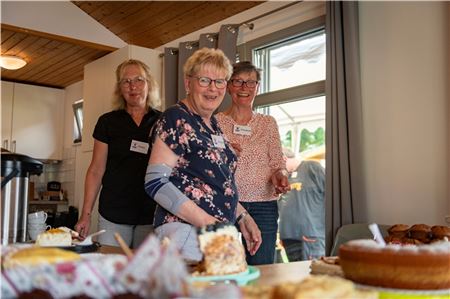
(242, 278)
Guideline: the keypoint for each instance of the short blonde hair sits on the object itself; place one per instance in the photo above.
(153, 99)
(208, 56)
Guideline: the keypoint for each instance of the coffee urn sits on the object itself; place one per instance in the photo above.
(15, 171)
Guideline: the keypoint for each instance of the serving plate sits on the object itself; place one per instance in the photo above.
(242, 278)
(82, 248)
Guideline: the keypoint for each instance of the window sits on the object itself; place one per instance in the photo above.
(302, 126)
(293, 62)
(77, 121)
(292, 87)
(292, 90)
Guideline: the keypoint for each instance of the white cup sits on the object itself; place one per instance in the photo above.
(38, 226)
(36, 221)
(33, 232)
(39, 216)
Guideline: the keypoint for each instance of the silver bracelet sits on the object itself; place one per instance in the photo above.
(241, 216)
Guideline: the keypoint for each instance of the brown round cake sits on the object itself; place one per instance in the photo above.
(421, 267)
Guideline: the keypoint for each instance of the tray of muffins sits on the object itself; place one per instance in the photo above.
(417, 234)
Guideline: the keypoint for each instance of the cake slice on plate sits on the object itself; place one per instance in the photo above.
(223, 252)
(54, 237)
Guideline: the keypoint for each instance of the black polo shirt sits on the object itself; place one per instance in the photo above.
(123, 198)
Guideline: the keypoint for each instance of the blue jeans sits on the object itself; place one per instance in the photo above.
(265, 215)
(297, 250)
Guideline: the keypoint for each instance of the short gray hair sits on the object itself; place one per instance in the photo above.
(208, 56)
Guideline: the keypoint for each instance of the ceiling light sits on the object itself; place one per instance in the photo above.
(12, 62)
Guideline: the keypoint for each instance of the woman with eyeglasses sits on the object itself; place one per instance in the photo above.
(261, 174)
(191, 168)
(119, 160)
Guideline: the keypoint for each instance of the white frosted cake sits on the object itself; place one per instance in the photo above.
(54, 237)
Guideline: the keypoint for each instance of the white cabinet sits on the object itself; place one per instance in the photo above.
(32, 122)
(100, 81)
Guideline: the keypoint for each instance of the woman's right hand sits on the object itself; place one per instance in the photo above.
(251, 234)
(83, 225)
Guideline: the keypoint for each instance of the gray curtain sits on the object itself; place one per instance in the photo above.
(208, 40)
(185, 51)
(174, 59)
(170, 68)
(345, 190)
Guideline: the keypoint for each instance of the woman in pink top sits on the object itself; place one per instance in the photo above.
(261, 174)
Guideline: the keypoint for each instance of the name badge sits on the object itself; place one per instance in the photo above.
(242, 130)
(139, 147)
(218, 141)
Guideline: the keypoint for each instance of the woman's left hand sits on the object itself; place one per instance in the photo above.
(280, 181)
(251, 234)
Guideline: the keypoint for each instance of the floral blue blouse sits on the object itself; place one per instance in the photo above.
(205, 168)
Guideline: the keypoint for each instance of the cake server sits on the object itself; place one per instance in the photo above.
(88, 239)
(377, 234)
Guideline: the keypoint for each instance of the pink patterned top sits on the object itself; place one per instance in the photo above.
(260, 157)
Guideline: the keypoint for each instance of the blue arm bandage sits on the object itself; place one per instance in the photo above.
(158, 187)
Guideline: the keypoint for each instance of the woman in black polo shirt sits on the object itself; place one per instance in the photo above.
(119, 160)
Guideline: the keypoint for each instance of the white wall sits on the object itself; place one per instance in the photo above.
(74, 153)
(404, 60)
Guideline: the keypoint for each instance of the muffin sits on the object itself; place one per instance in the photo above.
(421, 232)
(410, 241)
(392, 240)
(439, 232)
(399, 231)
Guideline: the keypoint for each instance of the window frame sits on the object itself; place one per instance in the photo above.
(305, 91)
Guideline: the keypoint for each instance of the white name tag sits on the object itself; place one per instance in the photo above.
(139, 147)
(218, 141)
(242, 130)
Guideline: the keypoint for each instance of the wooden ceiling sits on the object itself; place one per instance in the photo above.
(58, 61)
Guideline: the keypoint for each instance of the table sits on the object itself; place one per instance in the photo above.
(278, 273)
(107, 249)
(270, 274)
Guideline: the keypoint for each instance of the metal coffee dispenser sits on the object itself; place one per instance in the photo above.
(15, 171)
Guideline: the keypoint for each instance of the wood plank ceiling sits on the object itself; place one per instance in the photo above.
(58, 61)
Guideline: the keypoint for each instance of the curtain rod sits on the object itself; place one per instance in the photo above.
(249, 23)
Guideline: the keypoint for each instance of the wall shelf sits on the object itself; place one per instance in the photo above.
(48, 202)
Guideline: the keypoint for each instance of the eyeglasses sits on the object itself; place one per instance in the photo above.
(248, 83)
(205, 82)
(138, 81)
